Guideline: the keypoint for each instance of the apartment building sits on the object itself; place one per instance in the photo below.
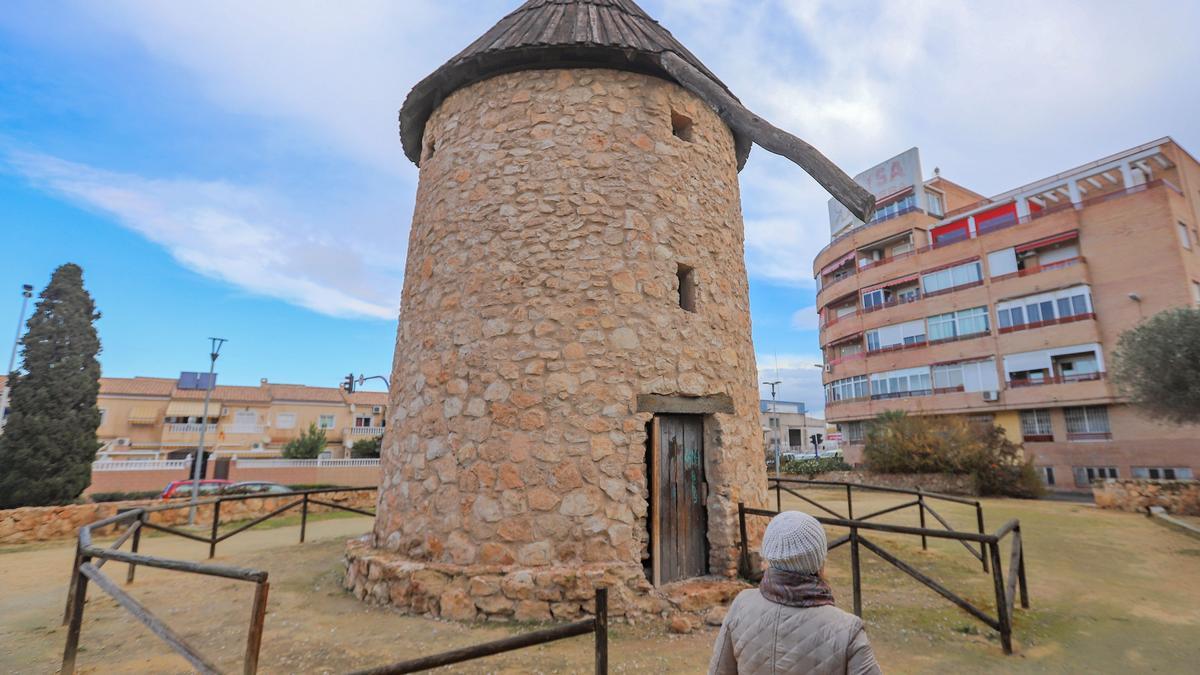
(161, 418)
(1006, 309)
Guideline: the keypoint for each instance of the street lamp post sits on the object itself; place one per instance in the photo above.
(26, 293)
(773, 422)
(196, 465)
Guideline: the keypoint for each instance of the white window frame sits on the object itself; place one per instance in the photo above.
(285, 420)
(1093, 418)
(1047, 474)
(952, 277)
(103, 416)
(847, 389)
(1185, 237)
(1036, 422)
(958, 323)
(901, 383)
(326, 421)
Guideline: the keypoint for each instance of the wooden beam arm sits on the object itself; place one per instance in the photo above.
(853, 196)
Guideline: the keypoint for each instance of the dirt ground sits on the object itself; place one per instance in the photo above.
(1111, 592)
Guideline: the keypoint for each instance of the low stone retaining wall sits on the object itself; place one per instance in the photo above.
(519, 593)
(1178, 497)
(945, 483)
(47, 523)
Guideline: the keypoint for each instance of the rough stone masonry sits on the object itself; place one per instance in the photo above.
(553, 213)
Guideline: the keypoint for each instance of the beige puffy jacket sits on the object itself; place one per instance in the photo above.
(763, 637)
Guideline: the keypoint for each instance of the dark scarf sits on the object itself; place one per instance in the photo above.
(795, 589)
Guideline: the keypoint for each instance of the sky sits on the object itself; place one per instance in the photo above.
(233, 169)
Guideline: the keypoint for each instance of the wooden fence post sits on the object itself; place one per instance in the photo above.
(258, 614)
(137, 542)
(76, 602)
(303, 517)
(216, 522)
(745, 552)
(855, 572)
(601, 630)
(921, 506)
(979, 519)
(71, 585)
(1002, 616)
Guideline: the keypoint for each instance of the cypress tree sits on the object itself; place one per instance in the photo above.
(49, 441)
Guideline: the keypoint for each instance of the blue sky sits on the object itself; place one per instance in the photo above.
(233, 169)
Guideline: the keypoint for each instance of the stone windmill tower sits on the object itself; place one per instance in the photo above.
(574, 390)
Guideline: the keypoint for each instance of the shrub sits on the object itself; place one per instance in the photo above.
(309, 445)
(124, 496)
(811, 467)
(901, 443)
(366, 448)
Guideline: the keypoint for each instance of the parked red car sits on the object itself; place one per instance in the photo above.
(183, 488)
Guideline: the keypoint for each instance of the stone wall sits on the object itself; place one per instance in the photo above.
(46, 523)
(1180, 498)
(541, 298)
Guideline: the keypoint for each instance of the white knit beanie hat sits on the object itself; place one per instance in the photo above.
(795, 542)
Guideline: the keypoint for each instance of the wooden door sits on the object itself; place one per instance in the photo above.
(679, 527)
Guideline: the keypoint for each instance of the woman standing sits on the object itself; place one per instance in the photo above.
(789, 623)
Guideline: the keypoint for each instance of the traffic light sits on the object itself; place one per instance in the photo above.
(816, 439)
(348, 384)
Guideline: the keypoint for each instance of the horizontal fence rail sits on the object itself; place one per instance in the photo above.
(598, 626)
(90, 558)
(983, 546)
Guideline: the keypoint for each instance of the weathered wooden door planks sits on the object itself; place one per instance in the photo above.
(679, 531)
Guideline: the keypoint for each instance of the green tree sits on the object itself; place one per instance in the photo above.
(1157, 365)
(900, 443)
(49, 441)
(309, 445)
(366, 448)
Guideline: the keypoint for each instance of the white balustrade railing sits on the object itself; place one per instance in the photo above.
(141, 465)
(365, 431)
(243, 428)
(303, 463)
(189, 428)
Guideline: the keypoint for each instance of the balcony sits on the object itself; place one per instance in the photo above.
(1052, 322)
(189, 428)
(1057, 379)
(364, 431)
(243, 428)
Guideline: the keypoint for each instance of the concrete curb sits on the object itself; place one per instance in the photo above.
(1160, 514)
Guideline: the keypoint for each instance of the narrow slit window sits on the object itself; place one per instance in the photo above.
(687, 287)
(681, 126)
(432, 148)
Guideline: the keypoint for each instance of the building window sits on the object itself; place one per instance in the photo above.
(855, 432)
(1087, 423)
(1196, 291)
(325, 422)
(1047, 474)
(907, 334)
(1044, 308)
(1185, 237)
(1035, 426)
(363, 421)
(1162, 473)
(952, 277)
(965, 376)
(935, 204)
(687, 287)
(285, 420)
(962, 323)
(1084, 475)
(901, 383)
(103, 415)
(681, 126)
(846, 390)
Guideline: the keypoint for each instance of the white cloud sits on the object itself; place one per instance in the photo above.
(235, 233)
(805, 318)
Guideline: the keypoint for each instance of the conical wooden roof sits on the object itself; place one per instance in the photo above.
(552, 34)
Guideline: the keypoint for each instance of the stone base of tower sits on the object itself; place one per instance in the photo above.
(517, 593)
